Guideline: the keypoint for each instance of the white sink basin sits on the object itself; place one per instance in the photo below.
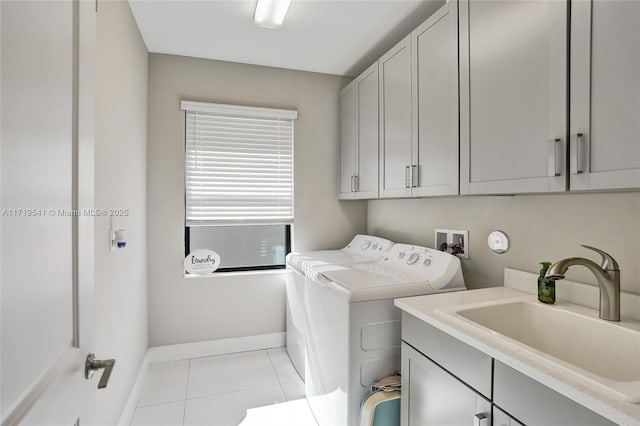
(608, 352)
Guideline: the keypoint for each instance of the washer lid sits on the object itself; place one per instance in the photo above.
(362, 248)
(368, 275)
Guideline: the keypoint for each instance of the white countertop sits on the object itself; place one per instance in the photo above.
(436, 310)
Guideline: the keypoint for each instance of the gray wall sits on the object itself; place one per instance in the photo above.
(120, 182)
(540, 227)
(186, 310)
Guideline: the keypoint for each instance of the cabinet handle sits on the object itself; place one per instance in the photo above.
(555, 157)
(414, 175)
(407, 178)
(577, 157)
(356, 183)
(480, 419)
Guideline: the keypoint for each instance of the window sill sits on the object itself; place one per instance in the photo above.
(235, 274)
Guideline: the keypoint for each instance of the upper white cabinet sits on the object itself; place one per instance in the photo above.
(480, 99)
(434, 154)
(359, 137)
(348, 141)
(419, 110)
(395, 121)
(605, 95)
(513, 96)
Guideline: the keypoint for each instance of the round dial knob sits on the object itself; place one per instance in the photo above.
(427, 262)
(413, 258)
(401, 255)
(365, 245)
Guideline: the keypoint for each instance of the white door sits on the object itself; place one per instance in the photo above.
(47, 251)
(605, 95)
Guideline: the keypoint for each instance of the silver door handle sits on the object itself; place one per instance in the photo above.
(577, 157)
(356, 183)
(480, 419)
(92, 365)
(555, 157)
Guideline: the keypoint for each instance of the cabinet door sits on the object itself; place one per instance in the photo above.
(605, 95)
(348, 140)
(367, 153)
(500, 418)
(435, 51)
(395, 120)
(537, 405)
(513, 96)
(433, 397)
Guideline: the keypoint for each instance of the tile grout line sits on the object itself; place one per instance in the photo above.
(235, 391)
(273, 367)
(285, 394)
(155, 404)
(186, 394)
(311, 411)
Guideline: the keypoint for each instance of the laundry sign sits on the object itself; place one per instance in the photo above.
(201, 262)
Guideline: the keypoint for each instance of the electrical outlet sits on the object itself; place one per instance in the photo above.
(452, 241)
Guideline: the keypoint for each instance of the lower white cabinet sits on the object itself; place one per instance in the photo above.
(447, 382)
(433, 397)
(534, 404)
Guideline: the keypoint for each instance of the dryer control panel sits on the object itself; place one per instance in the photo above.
(368, 245)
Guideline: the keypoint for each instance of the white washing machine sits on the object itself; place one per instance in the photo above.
(354, 328)
(363, 248)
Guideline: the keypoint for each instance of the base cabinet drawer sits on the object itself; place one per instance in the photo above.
(433, 397)
(534, 404)
(465, 362)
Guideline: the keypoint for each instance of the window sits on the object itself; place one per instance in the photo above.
(239, 183)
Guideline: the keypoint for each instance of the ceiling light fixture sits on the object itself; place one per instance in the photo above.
(270, 13)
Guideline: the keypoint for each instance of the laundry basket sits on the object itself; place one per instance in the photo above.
(380, 408)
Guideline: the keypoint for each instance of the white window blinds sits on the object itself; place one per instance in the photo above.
(239, 164)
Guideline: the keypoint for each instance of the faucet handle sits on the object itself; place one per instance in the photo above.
(608, 262)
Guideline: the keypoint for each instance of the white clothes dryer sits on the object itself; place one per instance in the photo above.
(362, 248)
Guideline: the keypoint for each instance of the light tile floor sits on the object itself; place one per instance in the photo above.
(249, 389)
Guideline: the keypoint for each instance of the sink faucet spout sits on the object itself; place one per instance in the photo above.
(607, 275)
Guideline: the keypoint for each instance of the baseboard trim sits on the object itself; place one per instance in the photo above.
(195, 350)
(215, 347)
(130, 406)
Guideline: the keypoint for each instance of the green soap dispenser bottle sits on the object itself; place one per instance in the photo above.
(546, 286)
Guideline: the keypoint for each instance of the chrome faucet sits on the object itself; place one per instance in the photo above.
(608, 276)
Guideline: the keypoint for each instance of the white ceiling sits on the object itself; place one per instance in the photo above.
(328, 36)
